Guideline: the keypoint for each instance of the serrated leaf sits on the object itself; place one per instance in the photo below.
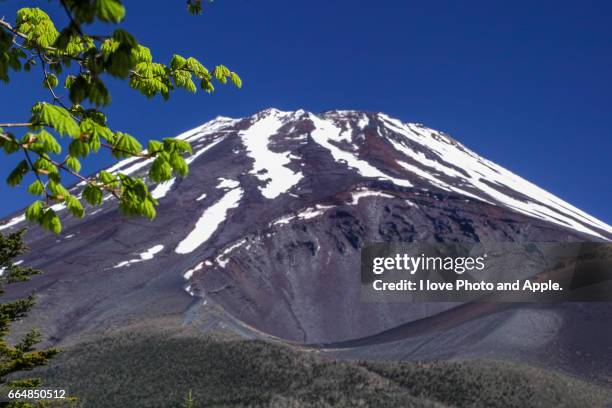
(236, 80)
(36, 188)
(92, 194)
(110, 10)
(154, 146)
(79, 148)
(178, 164)
(218, 73)
(51, 221)
(46, 143)
(184, 146)
(126, 145)
(177, 62)
(35, 211)
(11, 146)
(58, 189)
(74, 206)
(17, 174)
(56, 117)
(106, 178)
(73, 163)
(50, 81)
(160, 170)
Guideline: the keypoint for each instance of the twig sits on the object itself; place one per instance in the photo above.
(56, 98)
(29, 159)
(110, 147)
(22, 124)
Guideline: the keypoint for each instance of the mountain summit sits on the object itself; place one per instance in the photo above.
(263, 236)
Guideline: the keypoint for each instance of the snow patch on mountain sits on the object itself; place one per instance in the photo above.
(144, 256)
(214, 126)
(163, 188)
(305, 214)
(222, 257)
(189, 273)
(227, 183)
(325, 132)
(364, 192)
(269, 166)
(12, 222)
(203, 150)
(314, 212)
(210, 220)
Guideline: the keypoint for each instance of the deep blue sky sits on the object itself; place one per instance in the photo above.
(526, 84)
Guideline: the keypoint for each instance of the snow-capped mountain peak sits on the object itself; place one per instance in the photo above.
(285, 147)
(269, 224)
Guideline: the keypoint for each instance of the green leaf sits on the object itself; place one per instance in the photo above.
(94, 143)
(73, 163)
(92, 194)
(51, 221)
(78, 88)
(160, 170)
(95, 131)
(196, 67)
(155, 146)
(46, 143)
(79, 148)
(123, 37)
(37, 26)
(218, 73)
(44, 166)
(11, 146)
(110, 10)
(183, 146)
(118, 54)
(36, 188)
(151, 79)
(56, 117)
(207, 86)
(177, 62)
(98, 93)
(50, 82)
(34, 211)
(126, 145)
(142, 53)
(178, 164)
(147, 209)
(17, 174)
(58, 189)
(194, 6)
(74, 206)
(107, 178)
(236, 80)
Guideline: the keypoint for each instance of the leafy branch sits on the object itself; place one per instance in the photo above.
(82, 62)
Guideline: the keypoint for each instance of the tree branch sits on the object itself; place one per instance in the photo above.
(78, 175)
(56, 98)
(18, 124)
(139, 154)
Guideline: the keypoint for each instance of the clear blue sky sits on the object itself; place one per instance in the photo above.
(527, 84)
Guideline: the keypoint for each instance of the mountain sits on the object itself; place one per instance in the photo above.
(263, 239)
